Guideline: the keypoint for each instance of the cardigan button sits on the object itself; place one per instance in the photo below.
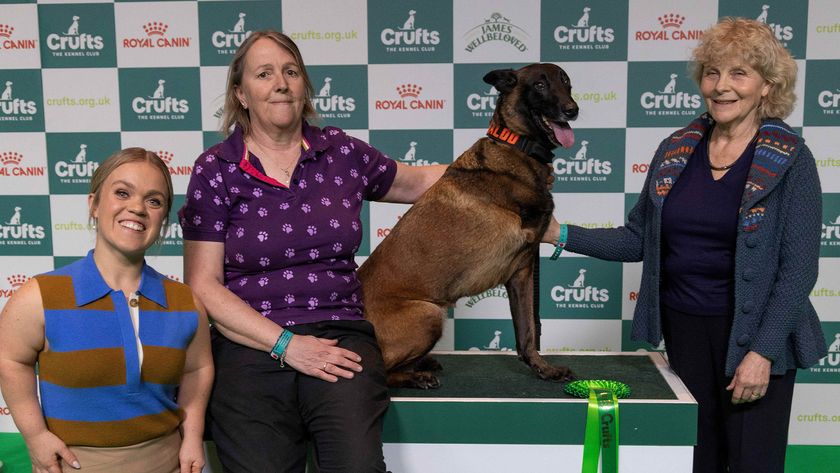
(747, 307)
(752, 241)
(743, 340)
(748, 275)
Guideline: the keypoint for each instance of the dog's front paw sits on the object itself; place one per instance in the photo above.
(413, 380)
(555, 373)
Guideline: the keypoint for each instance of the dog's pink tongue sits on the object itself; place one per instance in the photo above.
(564, 134)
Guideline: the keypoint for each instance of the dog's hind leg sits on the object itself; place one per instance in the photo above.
(520, 289)
(406, 331)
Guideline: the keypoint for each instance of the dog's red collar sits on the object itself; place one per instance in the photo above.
(503, 134)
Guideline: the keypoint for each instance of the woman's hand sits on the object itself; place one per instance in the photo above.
(191, 456)
(47, 453)
(751, 379)
(321, 358)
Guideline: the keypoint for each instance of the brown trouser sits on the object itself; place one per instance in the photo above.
(158, 455)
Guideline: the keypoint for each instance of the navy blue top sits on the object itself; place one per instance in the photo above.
(699, 228)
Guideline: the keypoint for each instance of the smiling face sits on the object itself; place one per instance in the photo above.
(733, 92)
(129, 209)
(272, 88)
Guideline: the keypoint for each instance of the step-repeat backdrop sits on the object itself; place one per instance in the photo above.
(80, 80)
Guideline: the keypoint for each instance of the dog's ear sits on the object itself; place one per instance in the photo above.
(504, 80)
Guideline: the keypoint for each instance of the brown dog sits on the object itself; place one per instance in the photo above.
(479, 226)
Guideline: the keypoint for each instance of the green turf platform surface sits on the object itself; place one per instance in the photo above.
(493, 398)
(505, 376)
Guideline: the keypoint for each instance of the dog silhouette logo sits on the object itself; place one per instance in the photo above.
(15, 220)
(239, 27)
(7, 92)
(325, 89)
(496, 341)
(73, 30)
(81, 157)
(159, 94)
(762, 17)
(583, 22)
(581, 154)
(409, 23)
(412, 151)
(580, 280)
(671, 86)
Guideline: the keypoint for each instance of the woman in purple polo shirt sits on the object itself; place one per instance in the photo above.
(272, 224)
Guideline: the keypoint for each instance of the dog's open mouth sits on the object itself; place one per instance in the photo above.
(560, 133)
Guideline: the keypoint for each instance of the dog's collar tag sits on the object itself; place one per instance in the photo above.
(503, 134)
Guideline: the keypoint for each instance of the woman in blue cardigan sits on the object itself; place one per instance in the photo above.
(728, 228)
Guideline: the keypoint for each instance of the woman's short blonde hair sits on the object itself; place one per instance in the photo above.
(754, 44)
(234, 113)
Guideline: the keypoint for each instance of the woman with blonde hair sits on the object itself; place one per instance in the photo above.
(727, 226)
(123, 353)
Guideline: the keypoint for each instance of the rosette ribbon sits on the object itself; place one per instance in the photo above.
(601, 435)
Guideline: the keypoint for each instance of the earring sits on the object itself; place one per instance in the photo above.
(93, 225)
(244, 106)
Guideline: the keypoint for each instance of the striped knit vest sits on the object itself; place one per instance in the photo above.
(93, 392)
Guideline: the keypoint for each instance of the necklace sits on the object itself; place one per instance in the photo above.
(286, 170)
(721, 168)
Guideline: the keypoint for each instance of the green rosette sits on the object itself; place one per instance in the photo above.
(601, 435)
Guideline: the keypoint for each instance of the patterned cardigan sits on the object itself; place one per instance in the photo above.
(776, 255)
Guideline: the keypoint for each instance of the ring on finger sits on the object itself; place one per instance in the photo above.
(756, 395)
(325, 366)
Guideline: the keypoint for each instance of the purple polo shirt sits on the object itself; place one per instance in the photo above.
(289, 250)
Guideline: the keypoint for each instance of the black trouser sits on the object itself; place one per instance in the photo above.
(743, 438)
(261, 416)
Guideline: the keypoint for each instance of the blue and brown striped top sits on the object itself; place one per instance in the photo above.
(93, 389)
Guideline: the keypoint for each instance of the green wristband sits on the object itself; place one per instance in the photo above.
(561, 242)
(279, 350)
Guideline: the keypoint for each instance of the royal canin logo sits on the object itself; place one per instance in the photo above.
(15, 282)
(6, 41)
(11, 165)
(156, 38)
(409, 99)
(167, 157)
(672, 30)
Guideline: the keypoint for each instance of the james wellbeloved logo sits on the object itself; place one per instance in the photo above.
(581, 288)
(496, 28)
(78, 35)
(409, 99)
(73, 157)
(666, 97)
(497, 292)
(582, 30)
(409, 32)
(24, 221)
(341, 95)
(20, 94)
(156, 98)
(13, 165)
(671, 29)
(593, 165)
(9, 41)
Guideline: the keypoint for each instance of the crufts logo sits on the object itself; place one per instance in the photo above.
(409, 37)
(581, 166)
(782, 32)
(831, 232)
(672, 30)
(78, 169)
(410, 157)
(232, 38)
(831, 362)
(331, 105)
(496, 28)
(11, 160)
(8, 42)
(584, 34)
(159, 104)
(72, 40)
(829, 101)
(15, 282)
(409, 100)
(579, 292)
(156, 38)
(14, 108)
(14, 231)
(661, 102)
(483, 104)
